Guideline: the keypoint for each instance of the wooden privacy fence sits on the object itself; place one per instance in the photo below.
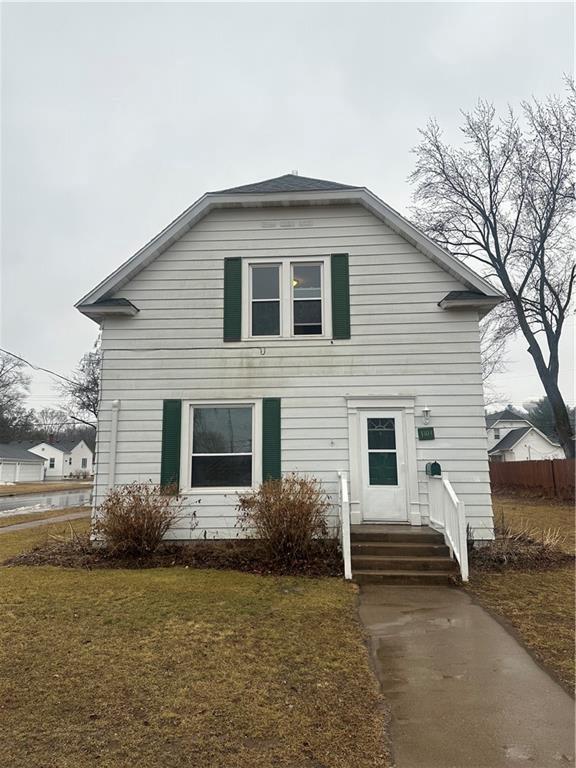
(553, 478)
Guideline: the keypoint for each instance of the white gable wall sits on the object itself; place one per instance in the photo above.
(79, 452)
(502, 428)
(533, 447)
(402, 344)
(47, 451)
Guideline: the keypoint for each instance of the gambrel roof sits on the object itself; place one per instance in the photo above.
(289, 190)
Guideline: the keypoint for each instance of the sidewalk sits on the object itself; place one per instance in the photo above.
(463, 692)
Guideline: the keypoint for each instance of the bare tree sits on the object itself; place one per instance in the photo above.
(506, 199)
(82, 390)
(15, 418)
(52, 422)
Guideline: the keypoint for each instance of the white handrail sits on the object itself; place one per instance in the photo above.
(344, 509)
(448, 515)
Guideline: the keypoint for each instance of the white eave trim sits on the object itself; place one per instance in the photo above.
(212, 201)
(482, 302)
(95, 312)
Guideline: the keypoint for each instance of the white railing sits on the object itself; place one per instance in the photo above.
(344, 510)
(447, 515)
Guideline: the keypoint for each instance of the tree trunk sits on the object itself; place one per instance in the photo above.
(561, 418)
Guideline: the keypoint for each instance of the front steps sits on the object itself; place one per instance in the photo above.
(400, 554)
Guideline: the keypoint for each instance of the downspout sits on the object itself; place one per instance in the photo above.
(113, 443)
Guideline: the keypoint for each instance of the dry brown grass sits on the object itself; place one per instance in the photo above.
(176, 667)
(538, 515)
(44, 487)
(30, 517)
(539, 603)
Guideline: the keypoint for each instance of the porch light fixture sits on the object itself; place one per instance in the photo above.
(426, 415)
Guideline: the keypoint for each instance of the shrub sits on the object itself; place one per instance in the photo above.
(520, 549)
(288, 516)
(133, 519)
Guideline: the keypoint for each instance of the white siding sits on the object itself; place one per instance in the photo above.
(534, 447)
(79, 452)
(47, 452)
(402, 343)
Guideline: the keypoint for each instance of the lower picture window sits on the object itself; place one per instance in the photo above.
(222, 447)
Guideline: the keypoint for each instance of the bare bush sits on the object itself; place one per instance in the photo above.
(133, 519)
(288, 516)
(521, 549)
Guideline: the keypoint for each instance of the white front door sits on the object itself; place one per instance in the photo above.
(383, 466)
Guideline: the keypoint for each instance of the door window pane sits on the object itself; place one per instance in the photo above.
(222, 430)
(382, 468)
(381, 434)
(265, 318)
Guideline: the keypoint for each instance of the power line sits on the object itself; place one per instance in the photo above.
(37, 367)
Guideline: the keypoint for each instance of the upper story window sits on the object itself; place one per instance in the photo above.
(265, 299)
(287, 298)
(496, 434)
(307, 299)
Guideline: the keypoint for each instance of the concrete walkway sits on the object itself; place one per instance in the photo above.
(33, 523)
(463, 692)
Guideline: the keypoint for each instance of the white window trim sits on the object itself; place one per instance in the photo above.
(188, 406)
(286, 297)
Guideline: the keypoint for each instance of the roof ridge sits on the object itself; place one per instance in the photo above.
(288, 182)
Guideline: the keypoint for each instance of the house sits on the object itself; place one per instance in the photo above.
(511, 437)
(65, 458)
(17, 465)
(293, 325)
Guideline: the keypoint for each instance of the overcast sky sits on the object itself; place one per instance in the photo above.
(116, 117)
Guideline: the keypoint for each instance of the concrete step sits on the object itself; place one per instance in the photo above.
(401, 549)
(416, 564)
(417, 578)
(397, 534)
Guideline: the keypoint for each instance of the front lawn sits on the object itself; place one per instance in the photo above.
(180, 667)
(29, 517)
(538, 603)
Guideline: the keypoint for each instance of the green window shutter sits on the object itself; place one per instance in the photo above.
(232, 299)
(171, 427)
(340, 277)
(271, 438)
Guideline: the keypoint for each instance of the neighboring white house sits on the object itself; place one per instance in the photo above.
(511, 437)
(293, 325)
(65, 458)
(17, 465)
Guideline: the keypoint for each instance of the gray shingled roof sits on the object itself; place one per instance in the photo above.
(11, 451)
(492, 418)
(510, 440)
(290, 182)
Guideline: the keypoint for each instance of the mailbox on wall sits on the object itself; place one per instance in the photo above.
(433, 469)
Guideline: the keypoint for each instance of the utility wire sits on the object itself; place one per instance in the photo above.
(36, 367)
